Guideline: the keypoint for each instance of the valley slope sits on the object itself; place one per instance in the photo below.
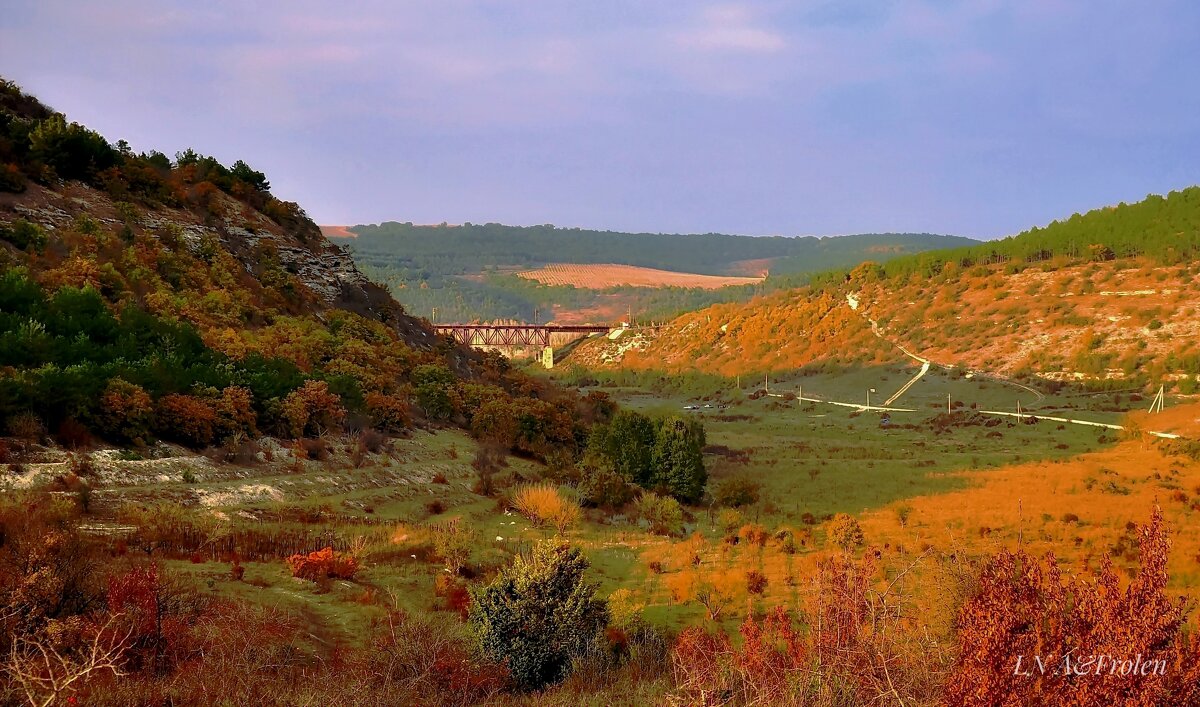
(1106, 296)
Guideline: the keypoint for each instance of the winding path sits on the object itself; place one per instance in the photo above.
(926, 363)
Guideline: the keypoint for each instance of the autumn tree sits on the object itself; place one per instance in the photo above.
(126, 411)
(312, 409)
(388, 412)
(186, 418)
(845, 532)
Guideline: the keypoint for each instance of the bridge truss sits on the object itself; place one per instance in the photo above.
(514, 335)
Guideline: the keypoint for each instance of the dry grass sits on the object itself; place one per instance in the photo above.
(545, 504)
(1080, 508)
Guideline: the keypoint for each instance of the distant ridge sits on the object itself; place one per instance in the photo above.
(468, 272)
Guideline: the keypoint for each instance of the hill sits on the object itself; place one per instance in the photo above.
(1104, 296)
(467, 272)
(146, 298)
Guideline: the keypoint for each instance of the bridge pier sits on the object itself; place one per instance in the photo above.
(548, 357)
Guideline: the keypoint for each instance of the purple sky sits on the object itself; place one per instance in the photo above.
(973, 117)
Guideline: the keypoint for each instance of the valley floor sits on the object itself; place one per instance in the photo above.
(923, 481)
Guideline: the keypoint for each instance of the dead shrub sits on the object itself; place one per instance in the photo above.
(323, 564)
(235, 450)
(489, 458)
(756, 582)
(453, 594)
(73, 435)
(316, 448)
(373, 441)
(26, 426)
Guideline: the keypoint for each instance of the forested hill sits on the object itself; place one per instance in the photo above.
(1163, 229)
(471, 248)
(145, 298)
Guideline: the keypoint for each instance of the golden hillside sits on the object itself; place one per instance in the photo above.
(1104, 307)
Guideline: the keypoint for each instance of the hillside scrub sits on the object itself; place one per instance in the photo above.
(1019, 303)
(179, 300)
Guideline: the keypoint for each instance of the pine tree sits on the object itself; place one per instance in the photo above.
(679, 459)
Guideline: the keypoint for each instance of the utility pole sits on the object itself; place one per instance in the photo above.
(947, 403)
(1156, 405)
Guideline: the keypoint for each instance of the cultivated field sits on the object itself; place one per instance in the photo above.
(338, 232)
(599, 277)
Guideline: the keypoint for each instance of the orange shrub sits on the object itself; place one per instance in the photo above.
(544, 504)
(323, 564)
(754, 534)
(389, 412)
(312, 408)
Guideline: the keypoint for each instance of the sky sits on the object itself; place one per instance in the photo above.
(969, 117)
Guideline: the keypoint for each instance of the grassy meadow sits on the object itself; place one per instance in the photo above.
(922, 486)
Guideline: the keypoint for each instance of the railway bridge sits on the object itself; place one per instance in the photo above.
(516, 336)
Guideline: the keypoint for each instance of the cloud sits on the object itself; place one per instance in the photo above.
(763, 115)
(730, 28)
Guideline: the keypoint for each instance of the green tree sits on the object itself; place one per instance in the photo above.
(538, 614)
(73, 151)
(24, 235)
(253, 177)
(678, 459)
(628, 441)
